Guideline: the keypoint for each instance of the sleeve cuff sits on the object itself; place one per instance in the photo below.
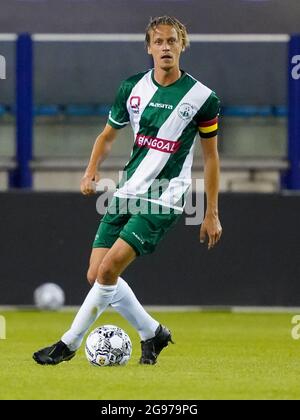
(116, 124)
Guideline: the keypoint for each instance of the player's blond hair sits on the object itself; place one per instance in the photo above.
(171, 21)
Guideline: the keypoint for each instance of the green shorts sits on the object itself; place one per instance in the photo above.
(138, 222)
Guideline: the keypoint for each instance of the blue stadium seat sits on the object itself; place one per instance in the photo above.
(80, 110)
(47, 110)
(281, 111)
(247, 111)
(2, 110)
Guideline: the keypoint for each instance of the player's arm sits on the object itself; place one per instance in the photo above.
(208, 129)
(101, 150)
(118, 118)
(211, 225)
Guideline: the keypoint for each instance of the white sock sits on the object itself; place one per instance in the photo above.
(97, 300)
(126, 303)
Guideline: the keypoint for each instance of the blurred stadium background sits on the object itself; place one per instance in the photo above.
(61, 62)
(64, 62)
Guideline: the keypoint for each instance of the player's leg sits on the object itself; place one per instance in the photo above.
(154, 337)
(100, 296)
(108, 232)
(115, 262)
(59, 352)
(124, 301)
(96, 259)
(144, 232)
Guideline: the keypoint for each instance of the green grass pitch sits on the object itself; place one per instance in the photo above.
(217, 355)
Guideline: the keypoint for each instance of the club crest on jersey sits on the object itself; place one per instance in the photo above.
(135, 102)
(185, 111)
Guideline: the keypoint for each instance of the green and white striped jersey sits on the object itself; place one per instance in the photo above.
(165, 121)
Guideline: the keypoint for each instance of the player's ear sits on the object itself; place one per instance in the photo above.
(149, 50)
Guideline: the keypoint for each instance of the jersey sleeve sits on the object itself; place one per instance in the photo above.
(208, 116)
(118, 115)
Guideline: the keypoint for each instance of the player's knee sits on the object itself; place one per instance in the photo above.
(106, 273)
(91, 276)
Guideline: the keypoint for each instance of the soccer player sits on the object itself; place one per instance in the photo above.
(167, 109)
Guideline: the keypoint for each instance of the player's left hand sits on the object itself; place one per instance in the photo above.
(212, 228)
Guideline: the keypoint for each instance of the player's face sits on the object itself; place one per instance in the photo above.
(165, 47)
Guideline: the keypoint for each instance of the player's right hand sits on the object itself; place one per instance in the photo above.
(88, 184)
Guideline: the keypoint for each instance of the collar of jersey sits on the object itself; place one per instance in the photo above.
(183, 74)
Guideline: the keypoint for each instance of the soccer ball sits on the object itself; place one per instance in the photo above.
(108, 346)
(49, 296)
